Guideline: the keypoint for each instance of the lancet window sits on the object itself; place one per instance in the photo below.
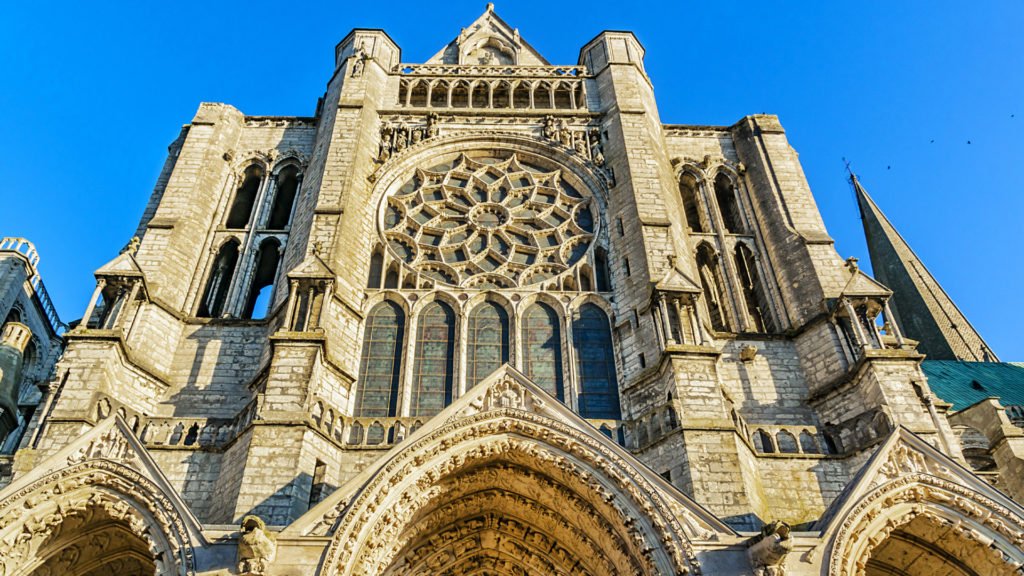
(381, 367)
(542, 349)
(599, 390)
(487, 341)
(241, 277)
(433, 368)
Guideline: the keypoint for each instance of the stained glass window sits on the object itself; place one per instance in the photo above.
(487, 344)
(599, 389)
(433, 369)
(542, 349)
(381, 365)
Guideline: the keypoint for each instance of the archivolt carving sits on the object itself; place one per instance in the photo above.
(72, 498)
(554, 456)
(914, 494)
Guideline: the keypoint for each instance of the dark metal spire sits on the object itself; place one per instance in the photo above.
(922, 308)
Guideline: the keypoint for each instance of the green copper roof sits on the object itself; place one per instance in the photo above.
(966, 383)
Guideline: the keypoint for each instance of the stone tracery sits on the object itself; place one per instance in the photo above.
(488, 221)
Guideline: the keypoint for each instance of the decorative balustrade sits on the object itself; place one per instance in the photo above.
(492, 91)
(484, 70)
(789, 440)
(28, 251)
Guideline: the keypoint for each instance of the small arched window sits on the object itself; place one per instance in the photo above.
(381, 362)
(808, 445)
(286, 187)
(223, 270)
(245, 198)
(763, 442)
(487, 342)
(601, 270)
(786, 442)
(688, 192)
(595, 358)
(433, 369)
(710, 280)
(261, 288)
(376, 268)
(542, 349)
(728, 205)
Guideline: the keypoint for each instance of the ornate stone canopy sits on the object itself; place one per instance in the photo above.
(99, 506)
(915, 510)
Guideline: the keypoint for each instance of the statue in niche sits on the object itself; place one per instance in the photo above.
(550, 128)
(768, 550)
(401, 138)
(387, 132)
(596, 152)
(564, 134)
(580, 144)
(432, 124)
(359, 60)
(256, 546)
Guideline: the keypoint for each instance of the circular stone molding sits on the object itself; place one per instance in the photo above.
(489, 220)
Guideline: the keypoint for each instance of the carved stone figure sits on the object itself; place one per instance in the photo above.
(256, 546)
(550, 128)
(387, 134)
(596, 152)
(768, 551)
(432, 125)
(564, 134)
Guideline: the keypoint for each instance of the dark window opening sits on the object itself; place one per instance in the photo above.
(688, 191)
(214, 299)
(754, 296)
(601, 270)
(376, 268)
(261, 290)
(710, 279)
(728, 206)
(287, 186)
(245, 198)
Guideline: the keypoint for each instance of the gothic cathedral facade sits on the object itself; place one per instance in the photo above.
(488, 315)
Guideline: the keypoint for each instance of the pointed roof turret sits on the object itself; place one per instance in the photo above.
(922, 309)
(489, 41)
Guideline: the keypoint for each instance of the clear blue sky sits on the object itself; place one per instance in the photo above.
(93, 92)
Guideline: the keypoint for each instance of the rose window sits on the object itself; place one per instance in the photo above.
(488, 222)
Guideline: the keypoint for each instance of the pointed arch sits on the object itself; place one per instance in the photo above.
(500, 474)
(286, 187)
(728, 205)
(261, 287)
(691, 206)
(373, 280)
(141, 525)
(754, 297)
(434, 364)
(711, 286)
(245, 197)
(595, 364)
(487, 342)
(542, 349)
(214, 301)
(380, 367)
